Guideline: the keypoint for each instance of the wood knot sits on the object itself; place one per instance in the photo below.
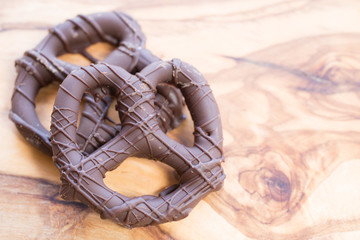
(270, 184)
(279, 186)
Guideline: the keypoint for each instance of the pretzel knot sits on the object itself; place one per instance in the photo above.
(199, 166)
(40, 66)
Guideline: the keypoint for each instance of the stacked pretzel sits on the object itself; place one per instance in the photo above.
(149, 93)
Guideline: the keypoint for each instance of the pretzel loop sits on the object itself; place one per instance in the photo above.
(140, 135)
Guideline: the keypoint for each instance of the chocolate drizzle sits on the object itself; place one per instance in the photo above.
(199, 166)
(40, 66)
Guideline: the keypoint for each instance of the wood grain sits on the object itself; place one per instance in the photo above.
(296, 134)
(285, 75)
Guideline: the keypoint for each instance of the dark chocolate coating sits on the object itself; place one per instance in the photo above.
(40, 66)
(199, 166)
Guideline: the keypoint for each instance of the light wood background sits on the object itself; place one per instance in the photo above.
(286, 78)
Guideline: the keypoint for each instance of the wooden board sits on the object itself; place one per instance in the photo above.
(286, 77)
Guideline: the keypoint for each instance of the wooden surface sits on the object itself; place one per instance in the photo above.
(286, 78)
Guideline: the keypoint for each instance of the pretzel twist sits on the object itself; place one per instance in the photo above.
(199, 166)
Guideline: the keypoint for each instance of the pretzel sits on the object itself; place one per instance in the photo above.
(40, 66)
(199, 167)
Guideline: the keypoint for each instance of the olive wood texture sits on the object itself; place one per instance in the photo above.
(285, 76)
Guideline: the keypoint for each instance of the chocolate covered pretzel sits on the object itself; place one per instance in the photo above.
(40, 66)
(199, 167)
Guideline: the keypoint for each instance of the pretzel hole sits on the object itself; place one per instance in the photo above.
(112, 112)
(112, 118)
(98, 51)
(139, 176)
(44, 102)
(183, 133)
(75, 58)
